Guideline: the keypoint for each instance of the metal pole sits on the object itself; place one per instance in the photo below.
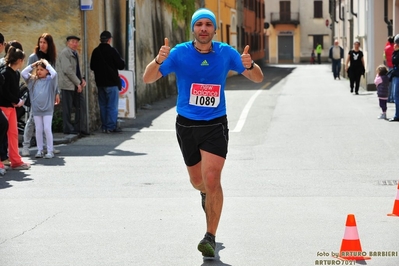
(86, 70)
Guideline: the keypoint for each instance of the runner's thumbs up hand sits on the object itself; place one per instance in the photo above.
(163, 52)
(246, 58)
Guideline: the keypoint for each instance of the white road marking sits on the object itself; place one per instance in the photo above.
(147, 130)
(245, 111)
(239, 126)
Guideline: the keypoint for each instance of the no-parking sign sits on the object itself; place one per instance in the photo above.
(126, 106)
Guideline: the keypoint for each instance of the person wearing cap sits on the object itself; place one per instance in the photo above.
(105, 62)
(354, 66)
(394, 78)
(201, 68)
(71, 83)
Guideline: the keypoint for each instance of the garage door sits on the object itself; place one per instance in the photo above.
(285, 49)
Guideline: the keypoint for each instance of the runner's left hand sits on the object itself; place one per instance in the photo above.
(246, 58)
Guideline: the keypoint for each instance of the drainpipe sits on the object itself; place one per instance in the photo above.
(335, 12)
(330, 8)
(340, 11)
(389, 23)
(353, 13)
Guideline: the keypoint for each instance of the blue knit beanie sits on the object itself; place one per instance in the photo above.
(203, 13)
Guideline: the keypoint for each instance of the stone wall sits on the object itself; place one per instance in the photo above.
(153, 24)
(25, 21)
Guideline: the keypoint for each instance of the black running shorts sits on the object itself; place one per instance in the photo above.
(211, 136)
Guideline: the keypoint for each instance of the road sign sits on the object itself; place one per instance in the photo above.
(86, 5)
(126, 105)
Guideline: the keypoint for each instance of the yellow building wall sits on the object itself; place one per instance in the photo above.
(274, 32)
(223, 10)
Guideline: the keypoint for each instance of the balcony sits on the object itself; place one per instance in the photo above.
(284, 18)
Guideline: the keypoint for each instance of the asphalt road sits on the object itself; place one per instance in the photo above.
(303, 154)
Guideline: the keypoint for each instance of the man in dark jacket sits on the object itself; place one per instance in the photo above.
(105, 62)
(336, 53)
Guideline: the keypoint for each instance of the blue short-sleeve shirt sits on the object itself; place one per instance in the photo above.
(201, 78)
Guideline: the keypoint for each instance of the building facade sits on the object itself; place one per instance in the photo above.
(368, 21)
(296, 27)
(241, 23)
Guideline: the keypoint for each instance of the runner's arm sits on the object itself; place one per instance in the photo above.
(255, 74)
(152, 73)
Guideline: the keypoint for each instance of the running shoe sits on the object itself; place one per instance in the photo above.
(207, 245)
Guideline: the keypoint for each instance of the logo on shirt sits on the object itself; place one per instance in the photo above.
(355, 56)
(204, 63)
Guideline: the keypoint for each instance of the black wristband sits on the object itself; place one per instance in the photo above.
(252, 65)
(158, 62)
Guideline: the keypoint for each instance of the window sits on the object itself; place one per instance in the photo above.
(228, 34)
(317, 39)
(318, 9)
(285, 10)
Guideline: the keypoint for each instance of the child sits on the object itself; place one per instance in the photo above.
(312, 57)
(382, 82)
(42, 88)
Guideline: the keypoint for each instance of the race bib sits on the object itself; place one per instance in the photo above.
(205, 95)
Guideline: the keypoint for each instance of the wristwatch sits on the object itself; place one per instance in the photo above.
(252, 65)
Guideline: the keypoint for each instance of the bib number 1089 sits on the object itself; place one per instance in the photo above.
(202, 100)
(205, 95)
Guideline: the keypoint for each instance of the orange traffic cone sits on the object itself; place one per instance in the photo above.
(395, 211)
(351, 248)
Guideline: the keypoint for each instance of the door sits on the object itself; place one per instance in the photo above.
(285, 49)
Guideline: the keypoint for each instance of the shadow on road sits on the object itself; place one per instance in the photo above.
(216, 260)
(271, 74)
(16, 176)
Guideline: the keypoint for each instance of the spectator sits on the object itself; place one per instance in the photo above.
(9, 100)
(319, 49)
(355, 66)
(3, 118)
(4, 144)
(395, 78)
(381, 81)
(71, 82)
(388, 51)
(312, 57)
(105, 62)
(336, 53)
(45, 49)
(42, 89)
